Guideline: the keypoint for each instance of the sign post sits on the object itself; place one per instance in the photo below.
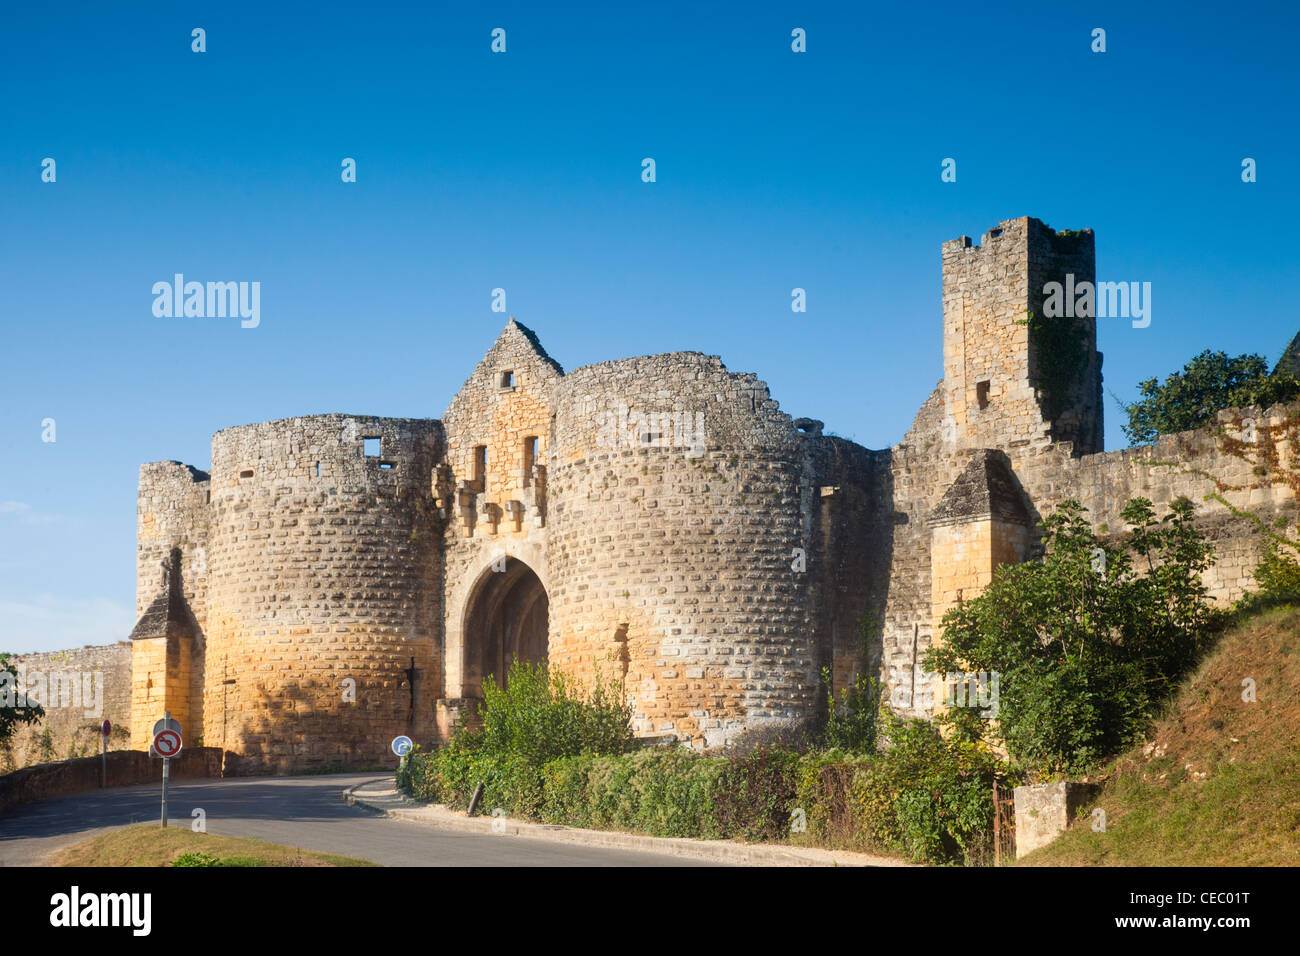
(166, 744)
(104, 728)
(402, 746)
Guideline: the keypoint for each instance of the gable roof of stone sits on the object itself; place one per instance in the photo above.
(1289, 363)
(986, 488)
(169, 614)
(515, 327)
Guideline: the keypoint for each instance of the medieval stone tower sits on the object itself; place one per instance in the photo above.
(336, 580)
(1008, 379)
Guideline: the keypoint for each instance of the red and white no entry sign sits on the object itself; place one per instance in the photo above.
(167, 743)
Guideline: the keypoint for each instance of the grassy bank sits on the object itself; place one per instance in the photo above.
(151, 845)
(1217, 783)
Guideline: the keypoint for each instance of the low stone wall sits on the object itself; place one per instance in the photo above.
(79, 689)
(1045, 810)
(126, 768)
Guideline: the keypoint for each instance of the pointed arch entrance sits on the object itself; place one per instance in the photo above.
(506, 619)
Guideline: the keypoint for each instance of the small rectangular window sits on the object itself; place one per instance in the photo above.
(246, 473)
(320, 472)
(480, 466)
(508, 379)
(374, 446)
(982, 394)
(530, 454)
(386, 464)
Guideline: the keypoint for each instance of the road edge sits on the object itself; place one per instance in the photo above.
(391, 803)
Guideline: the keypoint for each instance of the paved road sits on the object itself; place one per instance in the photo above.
(304, 812)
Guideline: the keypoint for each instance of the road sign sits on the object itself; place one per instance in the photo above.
(105, 727)
(167, 723)
(167, 743)
(402, 746)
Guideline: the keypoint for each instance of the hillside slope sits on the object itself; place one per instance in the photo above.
(1218, 781)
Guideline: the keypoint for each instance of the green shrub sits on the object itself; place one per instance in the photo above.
(540, 715)
(1085, 641)
(756, 794)
(824, 785)
(1278, 575)
(196, 859)
(923, 795)
(943, 793)
(510, 782)
(566, 791)
(851, 721)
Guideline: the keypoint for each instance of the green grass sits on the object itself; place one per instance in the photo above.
(151, 845)
(1218, 781)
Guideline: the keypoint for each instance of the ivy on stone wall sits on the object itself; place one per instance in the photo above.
(1060, 358)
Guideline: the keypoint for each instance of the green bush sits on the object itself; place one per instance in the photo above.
(547, 753)
(756, 794)
(942, 793)
(1278, 575)
(825, 786)
(566, 791)
(1085, 641)
(851, 721)
(196, 859)
(541, 715)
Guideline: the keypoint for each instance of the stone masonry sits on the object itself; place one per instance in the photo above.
(336, 580)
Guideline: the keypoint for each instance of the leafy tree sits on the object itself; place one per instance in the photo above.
(1209, 382)
(1086, 640)
(11, 715)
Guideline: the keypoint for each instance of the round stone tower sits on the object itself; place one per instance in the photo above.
(324, 584)
(679, 504)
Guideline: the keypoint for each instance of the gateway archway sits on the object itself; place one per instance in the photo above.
(506, 620)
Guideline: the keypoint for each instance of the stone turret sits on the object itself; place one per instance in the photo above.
(166, 655)
(1010, 381)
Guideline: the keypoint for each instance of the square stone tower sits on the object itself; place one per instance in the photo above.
(1013, 377)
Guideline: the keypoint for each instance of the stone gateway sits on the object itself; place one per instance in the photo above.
(337, 580)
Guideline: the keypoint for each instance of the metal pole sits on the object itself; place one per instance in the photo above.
(473, 801)
(997, 825)
(166, 767)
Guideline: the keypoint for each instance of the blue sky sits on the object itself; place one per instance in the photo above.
(522, 171)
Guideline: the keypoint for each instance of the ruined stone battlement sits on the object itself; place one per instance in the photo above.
(658, 520)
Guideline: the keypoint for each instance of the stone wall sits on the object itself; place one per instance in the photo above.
(656, 519)
(995, 386)
(679, 495)
(323, 567)
(125, 768)
(495, 506)
(1237, 499)
(172, 512)
(78, 689)
(1046, 810)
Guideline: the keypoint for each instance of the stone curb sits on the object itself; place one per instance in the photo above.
(395, 805)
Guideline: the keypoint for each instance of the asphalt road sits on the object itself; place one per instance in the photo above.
(304, 812)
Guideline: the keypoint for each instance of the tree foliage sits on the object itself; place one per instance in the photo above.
(11, 715)
(1086, 640)
(1209, 382)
